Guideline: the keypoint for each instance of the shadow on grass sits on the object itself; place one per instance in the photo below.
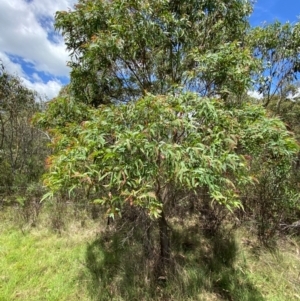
(200, 265)
(117, 270)
(228, 272)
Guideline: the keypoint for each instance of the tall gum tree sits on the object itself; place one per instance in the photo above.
(122, 49)
(147, 117)
(276, 48)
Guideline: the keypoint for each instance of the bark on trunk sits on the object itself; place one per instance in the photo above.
(147, 240)
(164, 240)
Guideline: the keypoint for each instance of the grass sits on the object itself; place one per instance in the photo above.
(276, 272)
(79, 264)
(42, 265)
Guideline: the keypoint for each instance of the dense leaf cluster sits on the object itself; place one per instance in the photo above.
(135, 152)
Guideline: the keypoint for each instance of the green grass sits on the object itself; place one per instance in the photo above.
(78, 264)
(276, 273)
(41, 265)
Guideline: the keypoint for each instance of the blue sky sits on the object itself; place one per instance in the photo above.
(271, 10)
(31, 49)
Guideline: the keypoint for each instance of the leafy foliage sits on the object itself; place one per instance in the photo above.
(22, 147)
(276, 48)
(135, 153)
(155, 112)
(123, 49)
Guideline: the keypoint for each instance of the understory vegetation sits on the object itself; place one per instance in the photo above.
(85, 260)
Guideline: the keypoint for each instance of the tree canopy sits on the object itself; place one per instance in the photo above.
(121, 50)
(276, 48)
(139, 152)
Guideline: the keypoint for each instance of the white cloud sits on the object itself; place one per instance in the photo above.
(48, 90)
(294, 97)
(50, 7)
(255, 94)
(13, 68)
(23, 35)
(25, 28)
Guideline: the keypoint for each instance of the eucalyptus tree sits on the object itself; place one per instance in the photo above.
(146, 123)
(22, 147)
(139, 154)
(121, 50)
(276, 48)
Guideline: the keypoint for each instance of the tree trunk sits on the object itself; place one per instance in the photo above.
(164, 241)
(148, 250)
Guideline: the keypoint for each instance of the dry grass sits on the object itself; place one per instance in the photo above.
(81, 264)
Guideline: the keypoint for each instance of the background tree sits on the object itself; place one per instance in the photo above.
(22, 146)
(274, 201)
(276, 47)
(122, 49)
